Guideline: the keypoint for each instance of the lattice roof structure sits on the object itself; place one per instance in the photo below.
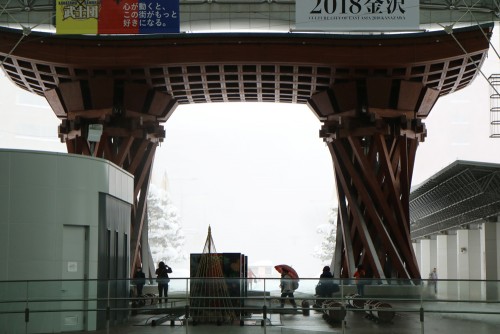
(462, 193)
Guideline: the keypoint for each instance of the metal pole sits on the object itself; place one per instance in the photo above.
(108, 307)
(264, 311)
(421, 320)
(186, 315)
(421, 307)
(186, 308)
(26, 310)
(342, 302)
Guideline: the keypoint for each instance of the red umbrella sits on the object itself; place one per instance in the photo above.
(291, 271)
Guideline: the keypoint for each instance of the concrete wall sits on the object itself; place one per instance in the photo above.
(49, 205)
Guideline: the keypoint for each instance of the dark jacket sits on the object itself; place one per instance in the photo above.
(326, 285)
(139, 278)
(162, 274)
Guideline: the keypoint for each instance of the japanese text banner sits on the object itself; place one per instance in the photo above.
(117, 16)
(357, 15)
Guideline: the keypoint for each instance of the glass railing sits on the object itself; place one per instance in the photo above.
(58, 306)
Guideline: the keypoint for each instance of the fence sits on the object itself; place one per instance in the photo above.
(59, 306)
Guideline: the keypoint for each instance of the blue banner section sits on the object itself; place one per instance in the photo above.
(158, 16)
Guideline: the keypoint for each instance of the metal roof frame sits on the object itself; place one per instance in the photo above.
(462, 193)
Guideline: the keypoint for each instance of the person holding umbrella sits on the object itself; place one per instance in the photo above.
(286, 286)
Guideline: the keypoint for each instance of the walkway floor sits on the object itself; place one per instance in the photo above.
(295, 322)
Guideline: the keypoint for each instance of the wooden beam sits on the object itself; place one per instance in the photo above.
(138, 216)
(124, 150)
(346, 230)
(147, 163)
(72, 95)
(55, 102)
(356, 210)
(137, 156)
(375, 189)
(100, 114)
(364, 196)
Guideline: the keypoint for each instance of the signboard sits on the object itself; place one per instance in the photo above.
(72, 267)
(117, 16)
(357, 15)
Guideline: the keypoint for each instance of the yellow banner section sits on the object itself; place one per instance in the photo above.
(77, 16)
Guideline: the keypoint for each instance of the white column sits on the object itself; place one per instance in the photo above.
(417, 250)
(475, 264)
(449, 289)
(425, 258)
(469, 263)
(452, 257)
(462, 254)
(442, 262)
(432, 258)
(490, 259)
(474, 252)
(433, 254)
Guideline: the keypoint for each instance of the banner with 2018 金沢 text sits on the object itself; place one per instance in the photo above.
(117, 16)
(356, 15)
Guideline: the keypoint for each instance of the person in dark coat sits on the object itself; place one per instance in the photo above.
(139, 280)
(326, 286)
(162, 278)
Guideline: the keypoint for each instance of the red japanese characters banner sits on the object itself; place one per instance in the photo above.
(117, 16)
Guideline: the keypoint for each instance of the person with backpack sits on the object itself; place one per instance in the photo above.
(287, 288)
(163, 279)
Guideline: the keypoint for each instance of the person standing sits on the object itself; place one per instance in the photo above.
(162, 278)
(359, 275)
(139, 281)
(433, 277)
(286, 286)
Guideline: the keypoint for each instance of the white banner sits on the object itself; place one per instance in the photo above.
(357, 15)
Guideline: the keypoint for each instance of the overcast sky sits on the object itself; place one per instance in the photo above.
(258, 173)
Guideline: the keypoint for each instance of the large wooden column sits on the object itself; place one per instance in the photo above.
(129, 114)
(372, 127)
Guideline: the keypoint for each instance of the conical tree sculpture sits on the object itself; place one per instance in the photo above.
(210, 301)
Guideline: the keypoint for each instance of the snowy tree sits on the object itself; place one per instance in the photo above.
(166, 238)
(329, 231)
